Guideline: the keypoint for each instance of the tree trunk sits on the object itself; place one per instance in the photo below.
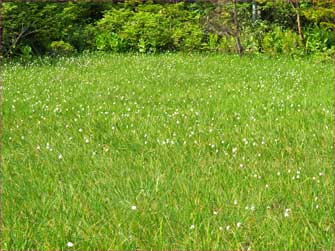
(239, 47)
(296, 7)
(254, 11)
(301, 35)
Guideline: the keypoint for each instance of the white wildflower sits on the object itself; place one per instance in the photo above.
(287, 212)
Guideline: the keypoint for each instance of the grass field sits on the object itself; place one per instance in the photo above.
(168, 152)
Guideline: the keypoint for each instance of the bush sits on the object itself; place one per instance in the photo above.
(318, 40)
(282, 41)
(227, 44)
(61, 48)
(148, 31)
(36, 25)
(150, 28)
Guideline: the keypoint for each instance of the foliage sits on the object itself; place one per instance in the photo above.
(149, 28)
(30, 28)
(277, 13)
(318, 39)
(38, 24)
(281, 41)
(30, 25)
(320, 13)
(61, 48)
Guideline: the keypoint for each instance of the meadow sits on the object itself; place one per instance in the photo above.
(168, 151)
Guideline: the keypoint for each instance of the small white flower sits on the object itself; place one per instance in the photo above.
(215, 212)
(235, 202)
(133, 207)
(192, 227)
(278, 173)
(38, 148)
(320, 174)
(317, 206)
(227, 228)
(60, 156)
(238, 224)
(69, 244)
(220, 228)
(287, 212)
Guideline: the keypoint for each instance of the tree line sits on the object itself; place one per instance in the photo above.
(295, 27)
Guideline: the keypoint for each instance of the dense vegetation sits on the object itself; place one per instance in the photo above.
(168, 152)
(274, 27)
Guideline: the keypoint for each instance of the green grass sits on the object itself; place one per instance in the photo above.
(203, 140)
